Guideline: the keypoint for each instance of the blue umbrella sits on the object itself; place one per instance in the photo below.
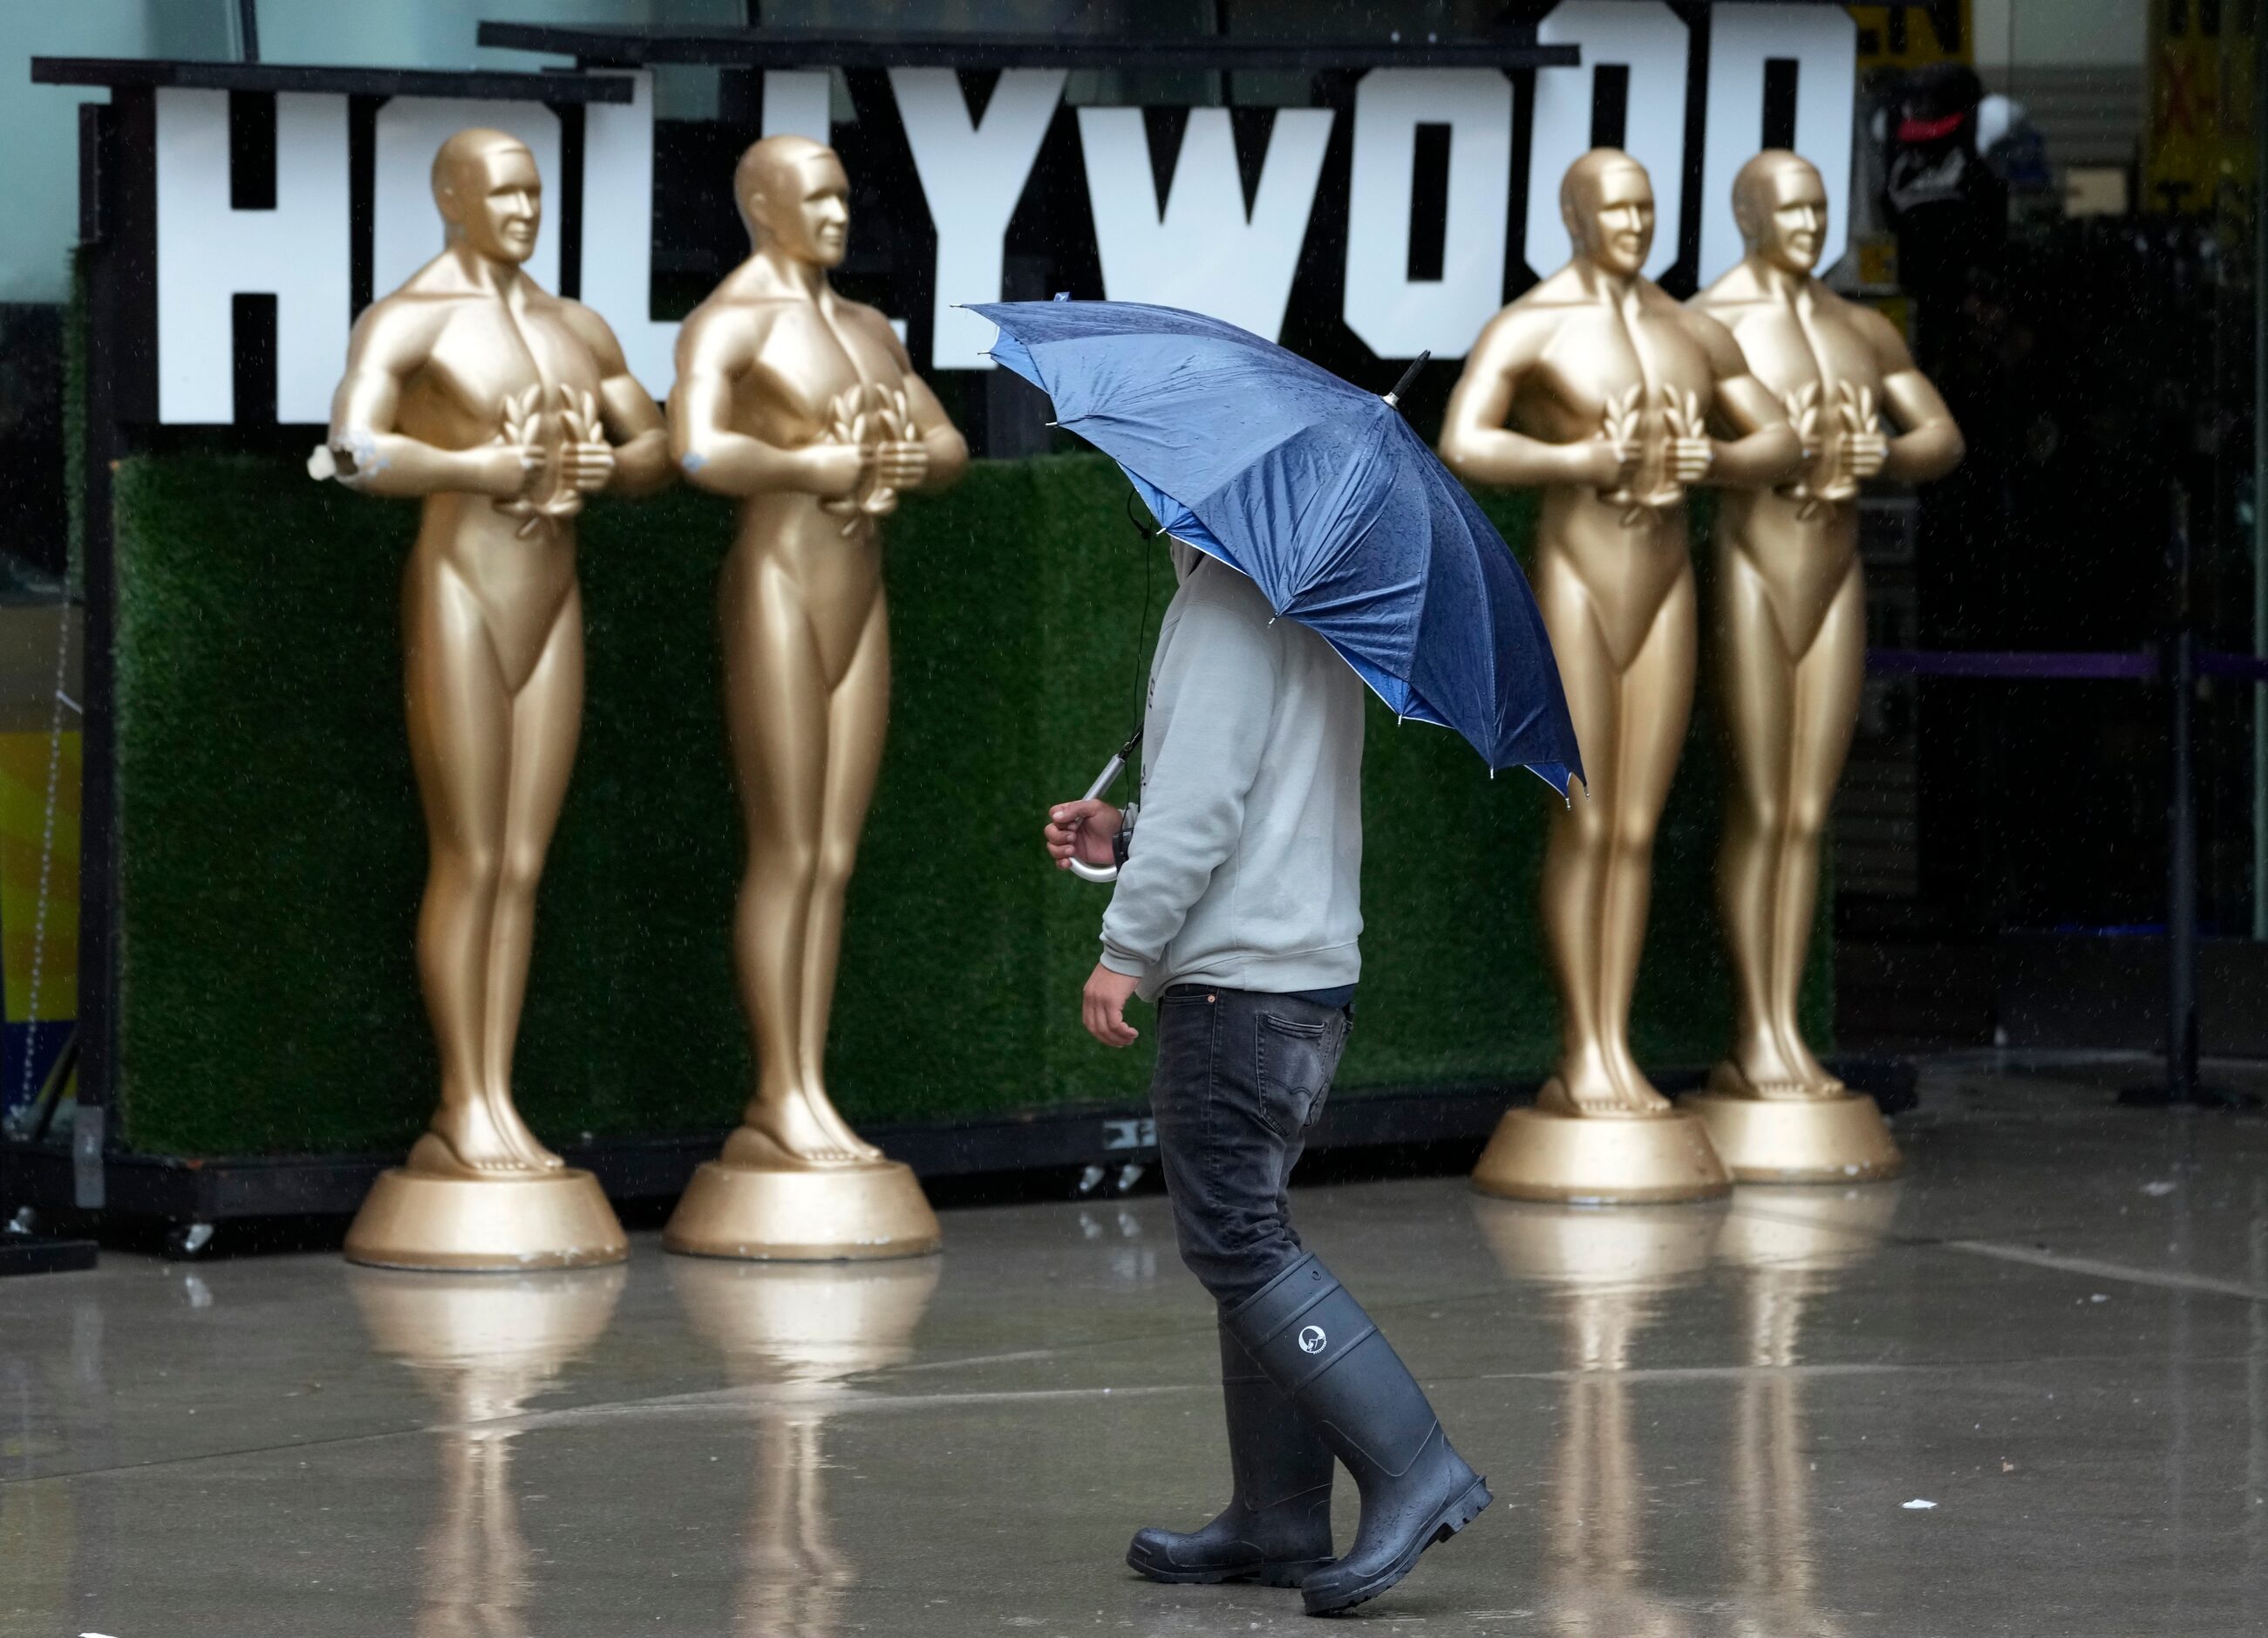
(1321, 493)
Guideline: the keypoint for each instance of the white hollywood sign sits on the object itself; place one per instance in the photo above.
(1203, 249)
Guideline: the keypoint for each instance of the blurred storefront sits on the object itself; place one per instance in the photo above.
(2053, 198)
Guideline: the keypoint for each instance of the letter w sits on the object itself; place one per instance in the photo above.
(1203, 252)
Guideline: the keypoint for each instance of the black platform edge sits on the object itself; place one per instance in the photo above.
(2206, 1099)
(1894, 1083)
(36, 1254)
(173, 1190)
(791, 48)
(486, 85)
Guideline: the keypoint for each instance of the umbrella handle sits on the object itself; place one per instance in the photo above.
(1079, 868)
(1111, 770)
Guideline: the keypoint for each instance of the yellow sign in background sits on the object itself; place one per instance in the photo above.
(1913, 36)
(2197, 152)
(39, 842)
(39, 894)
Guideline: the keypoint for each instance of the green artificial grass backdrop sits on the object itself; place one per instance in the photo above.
(273, 854)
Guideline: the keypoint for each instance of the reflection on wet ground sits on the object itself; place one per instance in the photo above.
(1700, 1420)
(483, 1348)
(798, 1335)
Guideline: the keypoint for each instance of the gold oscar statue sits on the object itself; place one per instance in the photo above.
(1608, 395)
(484, 1346)
(1790, 645)
(1607, 1274)
(1790, 1246)
(494, 402)
(792, 1337)
(805, 408)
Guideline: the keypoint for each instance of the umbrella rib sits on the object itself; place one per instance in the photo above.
(1488, 539)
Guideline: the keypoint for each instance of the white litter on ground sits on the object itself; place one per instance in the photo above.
(1918, 1505)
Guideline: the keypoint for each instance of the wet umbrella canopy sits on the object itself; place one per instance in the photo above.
(1321, 493)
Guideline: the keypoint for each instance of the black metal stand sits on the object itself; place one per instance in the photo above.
(37, 1254)
(24, 1250)
(2181, 1088)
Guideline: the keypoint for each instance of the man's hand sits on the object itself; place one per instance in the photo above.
(586, 460)
(588, 466)
(506, 471)
(1690, 453)
(1609, 462)
(1082, 830)
(903, 464)
(1865, 448)
(1689, 460)
(1603, 463)
(836, 470)
(1103, 1006)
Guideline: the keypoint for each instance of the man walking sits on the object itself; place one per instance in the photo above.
(1237, 911)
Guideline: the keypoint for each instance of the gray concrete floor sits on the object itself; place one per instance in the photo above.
(1701, 1420)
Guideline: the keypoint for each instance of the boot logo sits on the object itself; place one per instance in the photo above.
(1312, 1340)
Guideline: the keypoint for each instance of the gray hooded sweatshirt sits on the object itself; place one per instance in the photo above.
(1245, 866)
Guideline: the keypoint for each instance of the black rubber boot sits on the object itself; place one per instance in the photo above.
(1276, 1526)
(1317, 1344)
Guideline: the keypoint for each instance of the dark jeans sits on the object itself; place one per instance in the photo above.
(1241, 1078)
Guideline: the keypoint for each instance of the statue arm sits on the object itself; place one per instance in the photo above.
(1764, 449)
(1931, 444)
(948, 451)
(387, 347)
(1475, 442)
(711, 357)
(632, 420)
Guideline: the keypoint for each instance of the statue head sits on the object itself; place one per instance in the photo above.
(1781, 206)
(486, 190)
(795, 198)
(1607, 201)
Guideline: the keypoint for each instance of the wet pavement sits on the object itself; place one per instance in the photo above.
(1698, 1421)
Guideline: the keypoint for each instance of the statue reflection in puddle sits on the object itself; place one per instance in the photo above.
(1609, 1270)
(1791, 1244)
(484, 1345)
(796, 1333)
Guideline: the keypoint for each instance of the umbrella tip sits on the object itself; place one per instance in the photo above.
(1393, 398)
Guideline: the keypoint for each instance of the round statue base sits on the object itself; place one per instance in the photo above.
(1842, 1139)
(1596, 1160)
(499, 1225)
(819, 1214)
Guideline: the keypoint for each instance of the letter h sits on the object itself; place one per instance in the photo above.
(211, 252)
